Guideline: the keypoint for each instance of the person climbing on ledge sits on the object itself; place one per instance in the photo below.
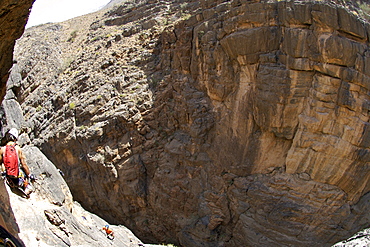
(11, 157)
(109, 232)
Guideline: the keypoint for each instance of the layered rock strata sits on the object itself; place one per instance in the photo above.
(243, 124)
(50, 217)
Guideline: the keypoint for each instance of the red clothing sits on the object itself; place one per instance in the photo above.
(107, 230)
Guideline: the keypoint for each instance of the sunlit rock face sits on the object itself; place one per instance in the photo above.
(50, 216)
(236, 123)
(13, 18)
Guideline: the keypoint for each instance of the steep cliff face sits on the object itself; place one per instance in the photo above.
(231, 123)
(13, 18)
(50, 217)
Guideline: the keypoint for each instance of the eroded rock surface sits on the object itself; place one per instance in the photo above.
(231, 123)
(13, 18)
(50, 217)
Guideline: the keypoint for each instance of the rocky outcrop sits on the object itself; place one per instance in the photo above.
(7, 218)
(223, 123)
(13, 18)
(362, 238)
(50, 217)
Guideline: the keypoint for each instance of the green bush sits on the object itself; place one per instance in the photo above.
(72, 105)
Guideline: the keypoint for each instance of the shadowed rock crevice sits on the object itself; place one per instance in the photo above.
(7, 218)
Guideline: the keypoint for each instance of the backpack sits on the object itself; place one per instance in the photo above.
(10, 160)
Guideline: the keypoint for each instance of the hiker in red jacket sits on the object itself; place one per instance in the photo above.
(11, 156)
(109, 232)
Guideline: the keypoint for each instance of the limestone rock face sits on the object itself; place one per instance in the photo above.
(13, 18)
(208, 123)
(50, 217)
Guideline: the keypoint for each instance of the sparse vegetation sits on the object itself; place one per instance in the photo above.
(96, 38)
(82, 127)
(165, 21)
(66, 63)
(73, 36)
(183, 5)
(185, 16)
(72, 105)
(366, 10)
(200, 34)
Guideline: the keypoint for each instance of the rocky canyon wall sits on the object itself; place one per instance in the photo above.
(13, 18)
(50, 217)
(223, 123)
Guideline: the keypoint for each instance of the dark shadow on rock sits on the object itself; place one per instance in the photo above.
(7, 219)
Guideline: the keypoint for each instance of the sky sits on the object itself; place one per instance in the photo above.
(44, 11)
